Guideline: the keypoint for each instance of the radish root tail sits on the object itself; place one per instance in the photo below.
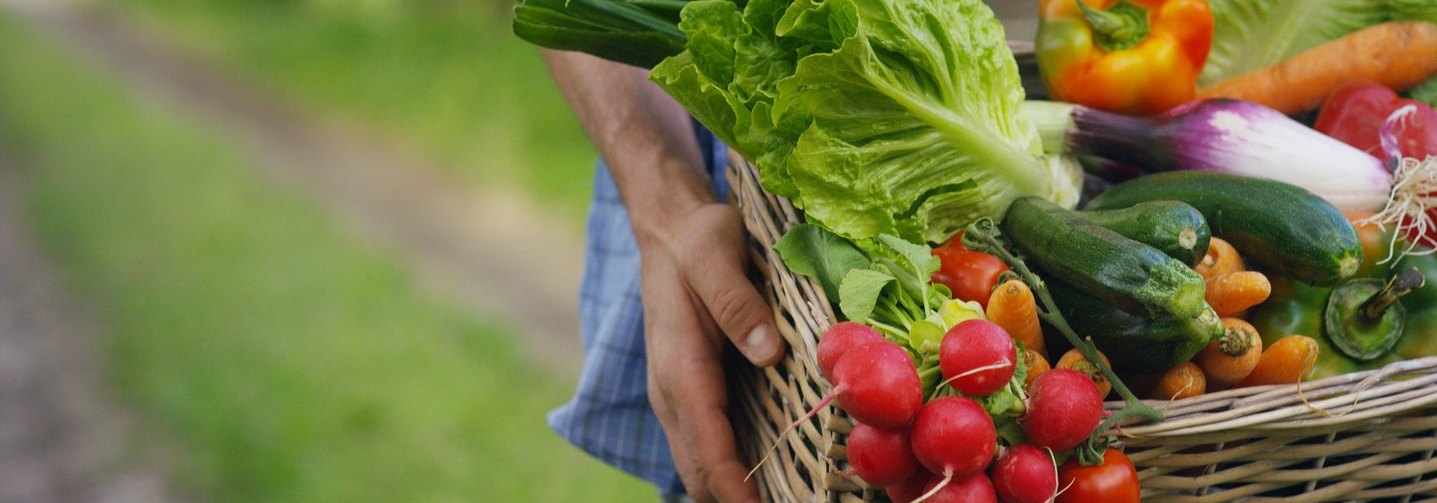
(947, 477)
(806, 416)
(1414, 191)
(1000, 364)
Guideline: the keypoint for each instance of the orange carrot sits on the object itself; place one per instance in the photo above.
(1182, 381)
(1398, 55)
(1230, 293)
(1221, 259)
(1231, 357)
(1037, 364)
(1074, 360)
(1287, 361)
(1011, 306)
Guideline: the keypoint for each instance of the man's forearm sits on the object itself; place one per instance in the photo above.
(696, 296)
(644, 136)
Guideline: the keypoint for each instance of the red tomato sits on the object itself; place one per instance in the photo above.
(1355, 113)
(970, 275)
(955, 242)
(1114, 481)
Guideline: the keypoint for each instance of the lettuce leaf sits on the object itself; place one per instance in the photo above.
(874, 116)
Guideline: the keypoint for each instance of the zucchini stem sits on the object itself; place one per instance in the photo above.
(983, 235)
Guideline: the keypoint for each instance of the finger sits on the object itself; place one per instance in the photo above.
(720, 280)
(684, 461)
(707, 430)
(673, 329)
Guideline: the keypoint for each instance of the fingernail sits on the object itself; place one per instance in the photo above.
(760, 345)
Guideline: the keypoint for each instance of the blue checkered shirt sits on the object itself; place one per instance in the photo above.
(609, 416)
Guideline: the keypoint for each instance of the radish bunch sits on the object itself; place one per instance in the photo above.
(947, 448)
(937, 391)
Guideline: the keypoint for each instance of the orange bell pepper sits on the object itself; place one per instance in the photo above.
(1125, 56)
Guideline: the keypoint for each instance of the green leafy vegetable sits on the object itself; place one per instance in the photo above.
(1254, 34)
(1009, 400)
(888, 286)
(875, 116)
(1425, 92)
(812, 251)
(1417, 10)
(860, 291)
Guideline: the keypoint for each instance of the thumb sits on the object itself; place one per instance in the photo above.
(721, 283)
(739, 310)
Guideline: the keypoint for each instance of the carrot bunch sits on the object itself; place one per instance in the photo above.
(1238, 358)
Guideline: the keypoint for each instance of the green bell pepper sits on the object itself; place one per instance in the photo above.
(1419, 339)
(1297, 308)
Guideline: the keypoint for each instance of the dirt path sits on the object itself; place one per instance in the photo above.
(62, 439)
(490, 249)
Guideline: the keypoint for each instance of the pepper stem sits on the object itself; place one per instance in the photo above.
(1120, 27)
(1400, 285)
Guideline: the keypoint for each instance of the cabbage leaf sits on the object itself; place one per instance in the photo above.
(1254, 34)
(896, 117)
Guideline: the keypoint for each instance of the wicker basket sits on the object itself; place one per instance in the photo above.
(1357, 437)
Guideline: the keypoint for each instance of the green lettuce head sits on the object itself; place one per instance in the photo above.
(876, 117)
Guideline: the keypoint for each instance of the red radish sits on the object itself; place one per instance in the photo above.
(1064, 408)
(877, 384)
(975, 488)
(1025, 474)
(978, 357)
(911, 488)
(881, 457)
(838, 339)
(954, 436)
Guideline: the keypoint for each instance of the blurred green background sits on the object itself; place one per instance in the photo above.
(279, 354)
(265, 348)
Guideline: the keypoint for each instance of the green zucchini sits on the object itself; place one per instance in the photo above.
(1283, 227)
(1173, 227)
(1136, 342)
(1118, 270)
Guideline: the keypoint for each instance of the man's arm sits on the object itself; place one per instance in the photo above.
(697, 297)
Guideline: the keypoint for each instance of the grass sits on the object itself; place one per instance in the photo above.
(447, 77)
(288, 361)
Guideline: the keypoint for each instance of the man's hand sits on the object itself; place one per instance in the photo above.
(697, 299)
